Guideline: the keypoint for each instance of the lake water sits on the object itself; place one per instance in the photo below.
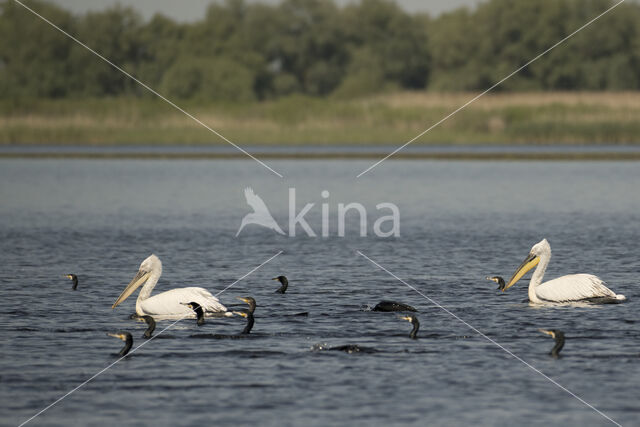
(460, 221)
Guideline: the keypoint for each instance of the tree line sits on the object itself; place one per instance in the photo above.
(245, 52)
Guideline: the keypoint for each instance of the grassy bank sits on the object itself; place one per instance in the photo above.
(551, 118)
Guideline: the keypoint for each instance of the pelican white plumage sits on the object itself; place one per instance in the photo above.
(574, 287)
(169, 304)
(260, 215)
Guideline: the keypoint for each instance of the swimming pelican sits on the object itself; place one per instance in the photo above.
(284, 284)
(260, 215)
(128, 341)
(574, 287)
(170, 303)
(559, 337)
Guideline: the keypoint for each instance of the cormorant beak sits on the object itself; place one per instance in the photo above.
(243, 300)
(275, 278)
(119, 336)
(240, 313)
(68, 276)
(529, 262)
(138, 280)
(544, 331)
(405, 318)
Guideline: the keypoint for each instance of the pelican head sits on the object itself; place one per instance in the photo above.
(538, 250)
(150, 265)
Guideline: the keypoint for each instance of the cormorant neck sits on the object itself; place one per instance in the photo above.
(151, 328)
(200, 315)
(555, 351)
(75, 282)
(414, 331)
(127, 346)
(247, 329)
(284, 285)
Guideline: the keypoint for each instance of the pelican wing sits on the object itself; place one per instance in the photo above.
(256, 203)
(169, 303)
(573, 287)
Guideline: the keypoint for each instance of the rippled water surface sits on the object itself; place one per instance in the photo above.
(460, 221)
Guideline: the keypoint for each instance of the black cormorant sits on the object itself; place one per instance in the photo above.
(416, 325)
(198, 310)
(128, 341)
(499, 280)
(151, 323)
(559, 337)
(284, 282)
(74, 278)
(392, 306)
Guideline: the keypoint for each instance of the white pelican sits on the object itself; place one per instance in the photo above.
(170, 303)
(574, 287)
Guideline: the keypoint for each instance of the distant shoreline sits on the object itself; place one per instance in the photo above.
(457, 156)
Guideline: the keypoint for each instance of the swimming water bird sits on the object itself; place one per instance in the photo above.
(250, 321)
(151, 323)
(559, 337)
(260, 215)
(574, 287)
(284, 284)
(74, 278)
(198, 311)
(128, 341)
(416, 325)
(393, 306)
(250, 302)
(499, 280)
(248, 314)
(168, 304)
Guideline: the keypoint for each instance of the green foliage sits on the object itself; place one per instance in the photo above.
(207, 79)
(242, 51)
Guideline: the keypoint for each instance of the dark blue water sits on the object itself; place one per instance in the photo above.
(460, 221)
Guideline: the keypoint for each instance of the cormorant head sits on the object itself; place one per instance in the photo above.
(74, 278)
(554, 333)
(250, 301)
(499, 280)
(412, 319)
(193, 306)
(145, 319)
(197, 308)
(281, 279)
(124, 336)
